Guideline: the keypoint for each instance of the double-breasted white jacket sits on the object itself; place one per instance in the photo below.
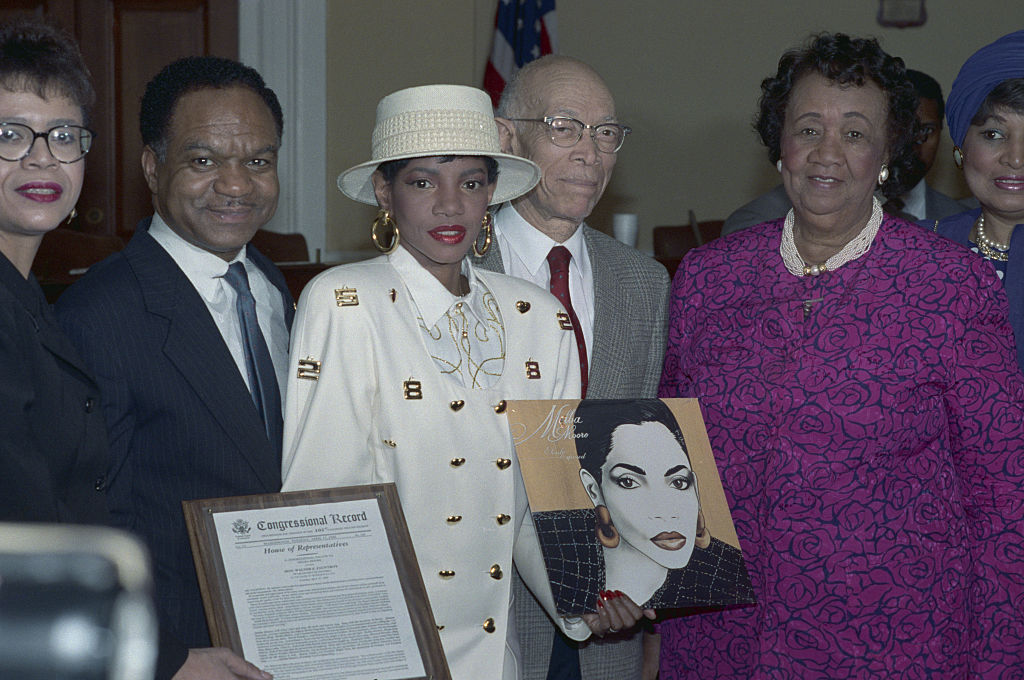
(378, 409)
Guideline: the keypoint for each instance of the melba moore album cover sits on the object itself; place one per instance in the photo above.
(626, 496)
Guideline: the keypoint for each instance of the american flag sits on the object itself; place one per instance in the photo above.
(523, 31)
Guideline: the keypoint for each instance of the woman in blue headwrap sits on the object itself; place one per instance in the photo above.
(985, 111)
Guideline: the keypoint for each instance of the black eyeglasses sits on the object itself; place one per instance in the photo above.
(66, 143)
(566, 132)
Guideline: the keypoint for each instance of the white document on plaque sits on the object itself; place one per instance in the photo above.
(316, 593)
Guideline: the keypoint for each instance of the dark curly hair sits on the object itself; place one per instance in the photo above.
(188, 75)
(847, 61)
(40, 57)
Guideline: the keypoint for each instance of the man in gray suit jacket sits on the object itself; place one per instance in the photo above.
(559, 113)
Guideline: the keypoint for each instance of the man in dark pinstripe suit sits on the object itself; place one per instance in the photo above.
(160, 326)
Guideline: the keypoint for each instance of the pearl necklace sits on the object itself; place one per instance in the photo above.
(993, 250)
(857, 246)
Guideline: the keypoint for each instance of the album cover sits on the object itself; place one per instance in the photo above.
(625, 496)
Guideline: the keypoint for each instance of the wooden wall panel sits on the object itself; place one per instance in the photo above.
(125, 43)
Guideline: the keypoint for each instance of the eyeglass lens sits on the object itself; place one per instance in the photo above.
(67, 143)
(568, 131)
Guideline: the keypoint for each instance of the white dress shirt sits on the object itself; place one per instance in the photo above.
(464, 334)
(914, 201)
(524, 253)
(206, 273)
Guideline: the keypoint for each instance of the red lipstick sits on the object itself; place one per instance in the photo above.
(41, 192)
(449, 234)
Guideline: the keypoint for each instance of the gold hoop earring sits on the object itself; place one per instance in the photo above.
(958, 158)
(607, 534)
(74, 213)
(883, 174)
(383, 220)
(703, 537)
(487, 223)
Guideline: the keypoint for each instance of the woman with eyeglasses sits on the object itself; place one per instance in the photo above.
(53, 443)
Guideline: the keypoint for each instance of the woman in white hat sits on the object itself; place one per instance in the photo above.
(401, 365)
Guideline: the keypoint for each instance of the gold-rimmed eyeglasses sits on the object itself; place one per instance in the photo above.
(67, 143)
(566, 132)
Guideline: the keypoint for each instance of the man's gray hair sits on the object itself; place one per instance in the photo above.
(518, 95)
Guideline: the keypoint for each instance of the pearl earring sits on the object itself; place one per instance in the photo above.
(778, 165)
(958, 158)
(883, 174)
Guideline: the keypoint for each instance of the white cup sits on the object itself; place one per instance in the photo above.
(624, 228)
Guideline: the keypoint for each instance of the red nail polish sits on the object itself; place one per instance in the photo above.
(600, 605)
(619, 593)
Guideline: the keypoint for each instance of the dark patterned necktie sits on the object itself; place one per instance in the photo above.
(262, 378)
(558, 261)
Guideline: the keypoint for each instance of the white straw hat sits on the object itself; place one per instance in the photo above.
(438, 120)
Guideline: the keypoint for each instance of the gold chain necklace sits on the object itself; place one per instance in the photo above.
(991, 249)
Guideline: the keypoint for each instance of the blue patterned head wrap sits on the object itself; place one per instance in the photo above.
(980, 74)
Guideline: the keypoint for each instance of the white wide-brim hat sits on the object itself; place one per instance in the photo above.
(438, 120)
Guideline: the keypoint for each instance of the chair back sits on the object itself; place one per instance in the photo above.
(281, 247)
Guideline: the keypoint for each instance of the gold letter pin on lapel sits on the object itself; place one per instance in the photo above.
(564, 322)
(346, 297)
(412, 389)
(309, 369)
(532, 370)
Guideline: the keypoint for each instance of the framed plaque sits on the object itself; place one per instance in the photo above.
(316, 584)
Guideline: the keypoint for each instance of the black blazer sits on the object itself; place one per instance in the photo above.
(53, 445)
(181, 421)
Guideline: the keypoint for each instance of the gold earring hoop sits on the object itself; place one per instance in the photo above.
(883, 174)
(958, 158)
(703, 537)
(384, 221)
(487, 223)
(607, 534)
(74, 213)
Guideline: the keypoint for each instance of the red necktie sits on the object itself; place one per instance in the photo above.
(558, 261)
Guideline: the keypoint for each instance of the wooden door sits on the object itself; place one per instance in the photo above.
(125, 43)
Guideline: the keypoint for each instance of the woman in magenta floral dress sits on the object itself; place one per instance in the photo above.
(858, 380)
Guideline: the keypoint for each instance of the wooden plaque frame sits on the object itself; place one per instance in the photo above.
(213, 582)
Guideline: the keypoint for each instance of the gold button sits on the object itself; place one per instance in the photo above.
(458, 305)
(523, 306)
(457, 404)
(465, 334)
(500, 408)
(496, 572)
(489, 626)
(452, 519)
(446, 574)
(503, 463)
(503, 519)
(456, 462)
